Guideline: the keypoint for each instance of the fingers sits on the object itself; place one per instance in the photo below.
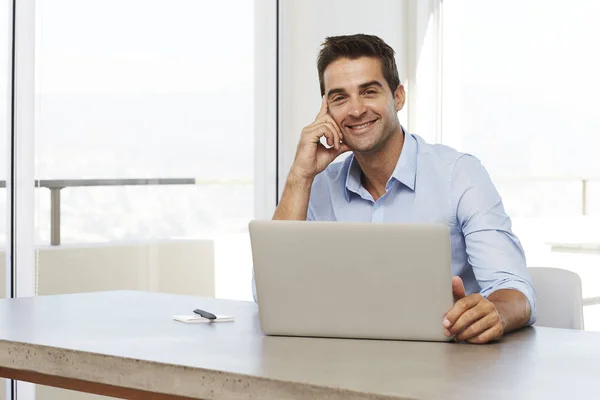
(324, 118)
(333, 152)
(328, 119)
(473, 319)
(460, 307)
(324, 108)
(470, 316)
(332, 136)
(493, 333)
(312, 156)
(478, 327)
(327, 129)
(458, 289)
(335, 126)
(336, 133)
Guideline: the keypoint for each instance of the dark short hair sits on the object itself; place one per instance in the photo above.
(353, 47)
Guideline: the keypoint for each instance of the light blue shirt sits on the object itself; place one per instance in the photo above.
(435, 184)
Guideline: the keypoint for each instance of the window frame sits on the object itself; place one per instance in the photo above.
(20, 250)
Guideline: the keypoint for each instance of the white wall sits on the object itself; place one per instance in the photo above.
(303, 27)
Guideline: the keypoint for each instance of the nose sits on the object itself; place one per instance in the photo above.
(357, 107)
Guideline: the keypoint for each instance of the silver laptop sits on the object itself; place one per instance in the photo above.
(352, 280)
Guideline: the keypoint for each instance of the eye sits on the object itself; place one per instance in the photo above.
(338, 98)
(370, 91)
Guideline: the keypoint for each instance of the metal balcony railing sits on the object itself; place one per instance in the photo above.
(56, 185)
(584, 184)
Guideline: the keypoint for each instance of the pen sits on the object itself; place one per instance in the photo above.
(205, 314)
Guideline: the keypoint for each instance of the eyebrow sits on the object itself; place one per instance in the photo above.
(371, 83)
(362, 86)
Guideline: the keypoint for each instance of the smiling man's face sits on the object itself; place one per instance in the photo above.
(362, 103)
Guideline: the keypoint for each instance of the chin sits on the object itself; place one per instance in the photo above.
(362, 146)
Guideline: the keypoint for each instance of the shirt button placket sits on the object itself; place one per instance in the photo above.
(377, 215)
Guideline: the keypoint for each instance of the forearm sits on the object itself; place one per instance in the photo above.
(513, 308)
(294, 200)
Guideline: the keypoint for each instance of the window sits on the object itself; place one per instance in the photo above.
(158, 91)
(4, 132)
(143, 173)
(520, 86)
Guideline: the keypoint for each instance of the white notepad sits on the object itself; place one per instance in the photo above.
(196, 319)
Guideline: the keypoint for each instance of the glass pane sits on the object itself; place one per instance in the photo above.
(144, 145)
(4, 132)
(593, 198)
(524, 101)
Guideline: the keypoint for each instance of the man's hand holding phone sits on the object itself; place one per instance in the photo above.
(312, 157)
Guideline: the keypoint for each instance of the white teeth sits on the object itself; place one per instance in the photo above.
(361, 126)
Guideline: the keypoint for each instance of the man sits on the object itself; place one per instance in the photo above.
(393, 176)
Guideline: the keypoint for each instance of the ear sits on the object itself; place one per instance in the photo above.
(399, 97)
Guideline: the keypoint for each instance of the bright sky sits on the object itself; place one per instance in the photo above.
(135, 46)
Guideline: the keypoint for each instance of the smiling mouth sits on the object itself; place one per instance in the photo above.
(361, 126)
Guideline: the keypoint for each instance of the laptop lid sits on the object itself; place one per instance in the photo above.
(352, 279)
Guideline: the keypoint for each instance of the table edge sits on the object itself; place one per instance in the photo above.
(170, 379)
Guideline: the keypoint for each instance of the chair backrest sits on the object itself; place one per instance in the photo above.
(559, 300)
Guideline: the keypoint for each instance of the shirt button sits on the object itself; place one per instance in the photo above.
(377, 205)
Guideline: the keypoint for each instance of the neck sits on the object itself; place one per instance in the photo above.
(378, 166)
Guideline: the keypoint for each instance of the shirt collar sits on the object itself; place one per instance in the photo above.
(405, 171)
(406, 168)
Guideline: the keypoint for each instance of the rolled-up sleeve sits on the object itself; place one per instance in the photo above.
(494, 252)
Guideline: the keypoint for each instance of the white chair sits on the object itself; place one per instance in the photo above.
(559, 299)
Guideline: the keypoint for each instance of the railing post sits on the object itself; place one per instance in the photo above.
(584, 196)
(55, 216)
